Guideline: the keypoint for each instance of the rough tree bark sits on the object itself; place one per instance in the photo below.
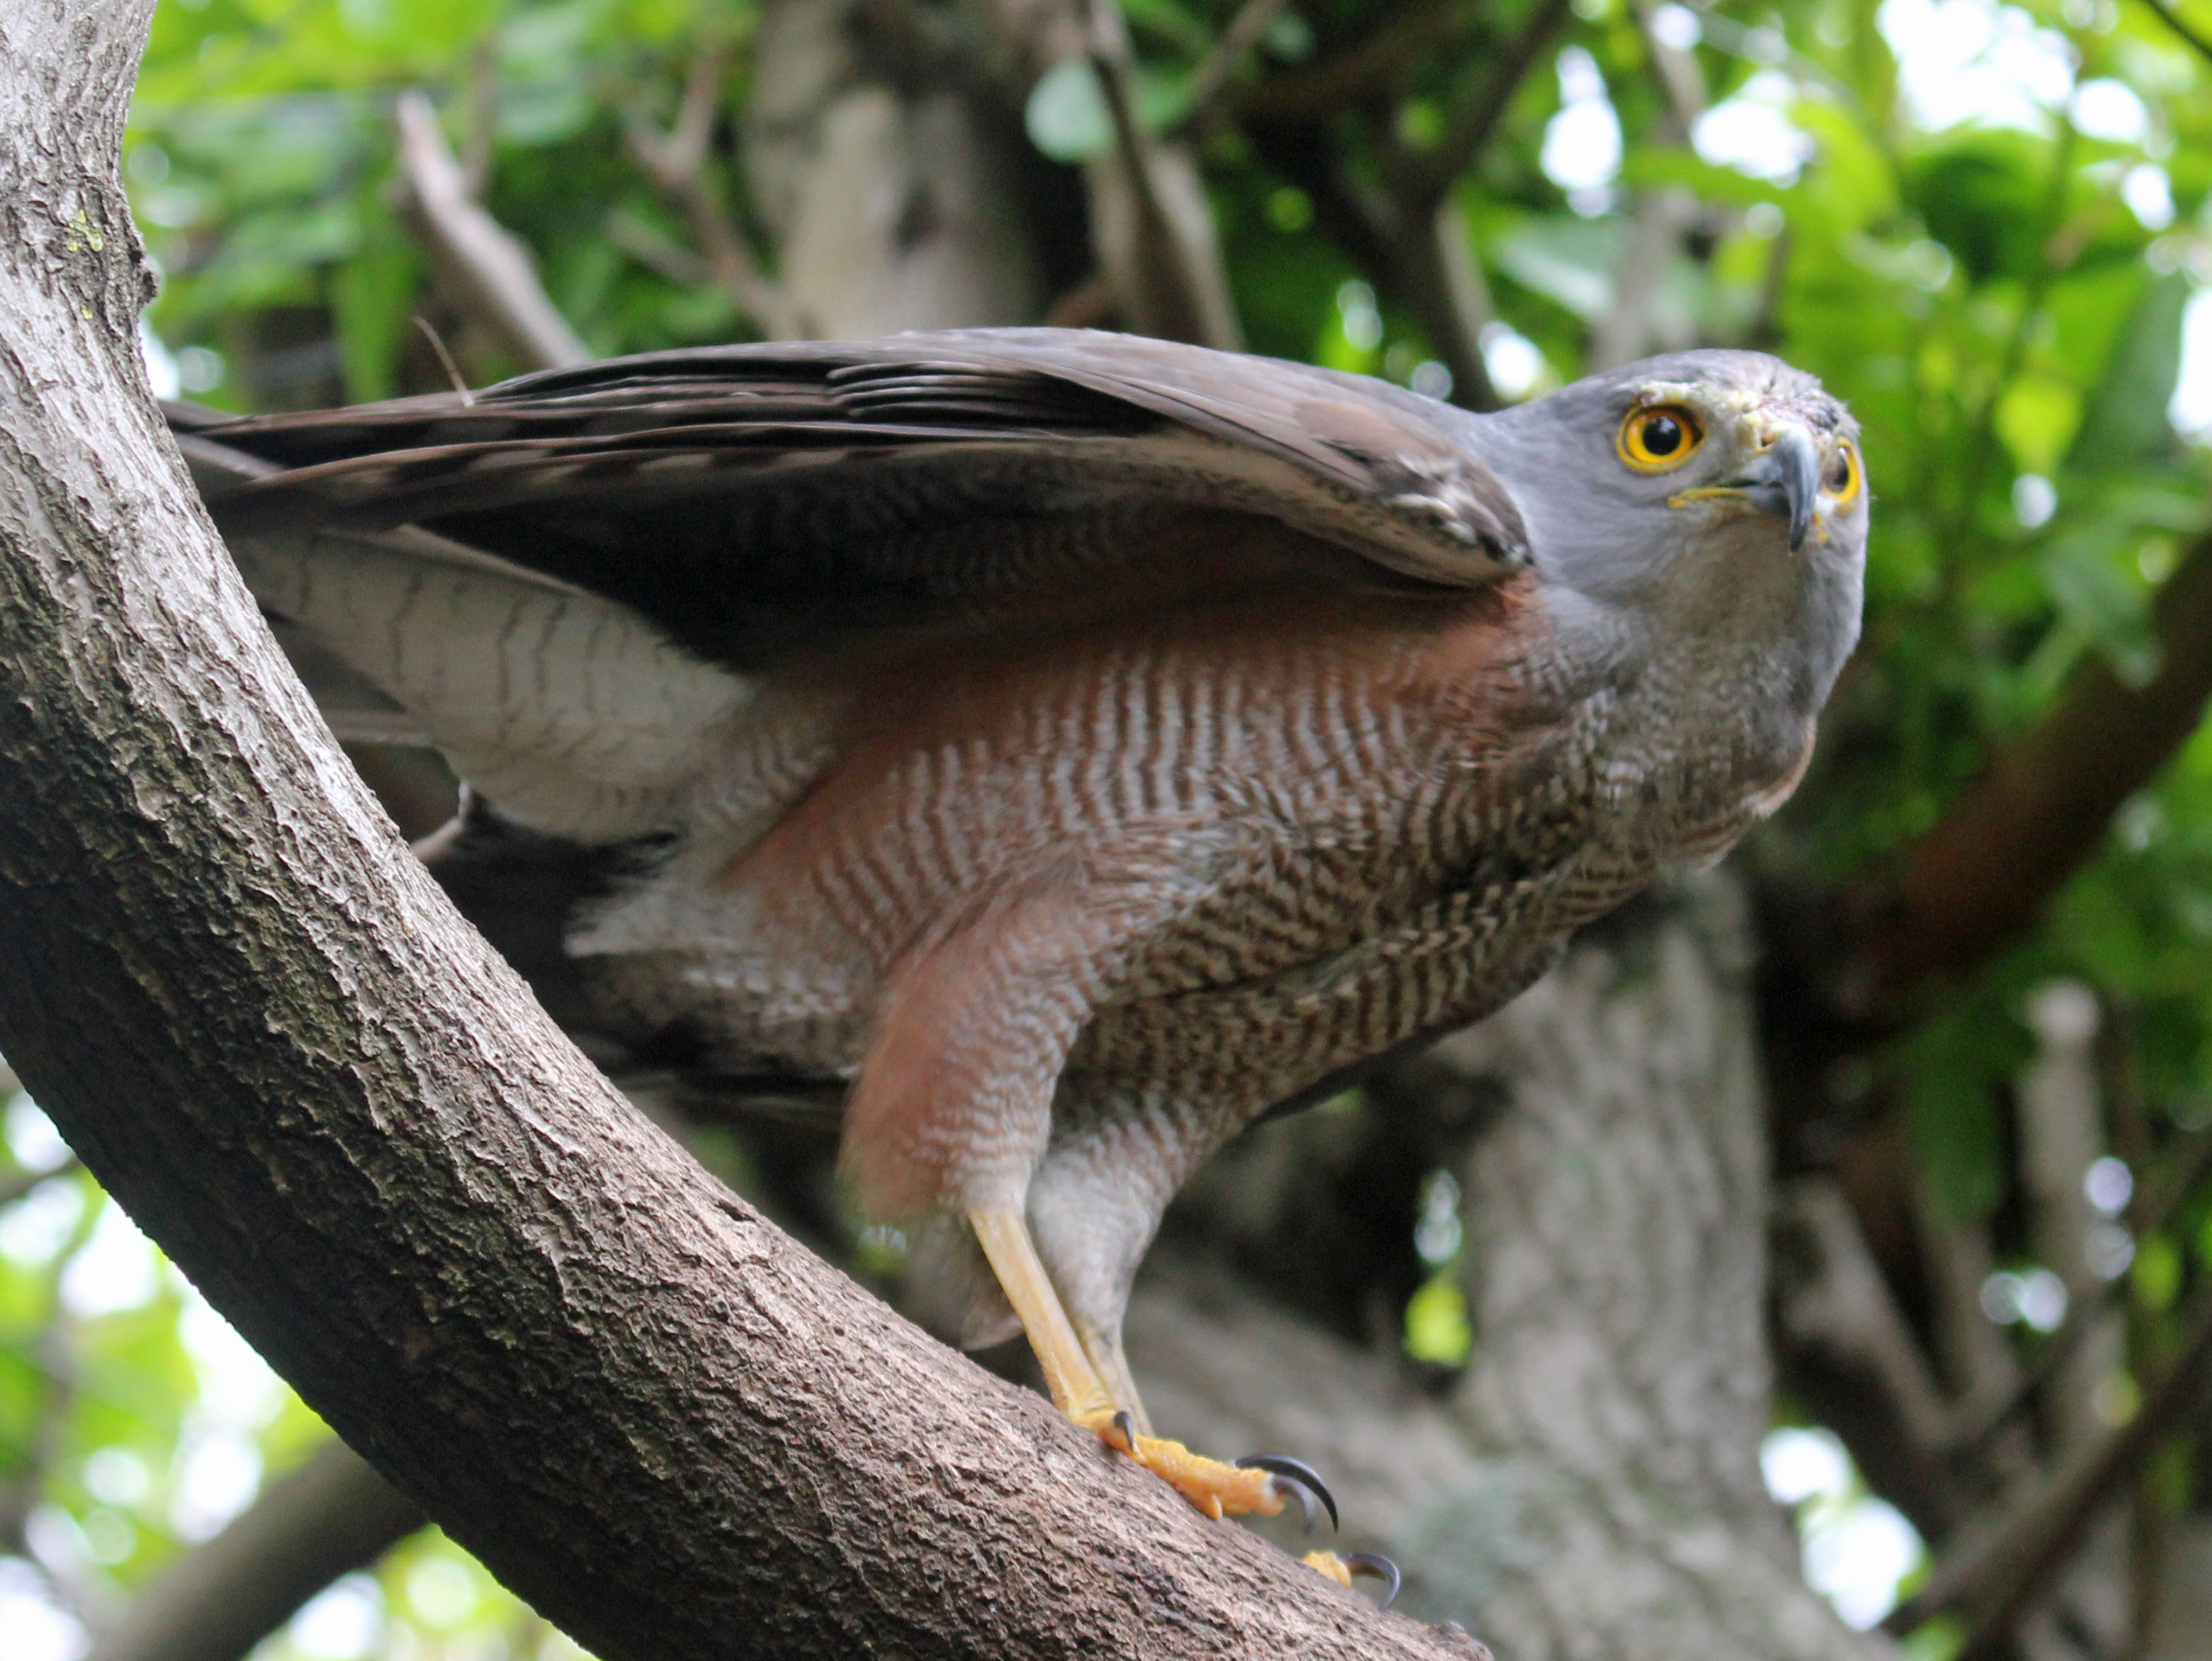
(235, 991)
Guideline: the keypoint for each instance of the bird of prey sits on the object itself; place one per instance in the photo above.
(1070, 746)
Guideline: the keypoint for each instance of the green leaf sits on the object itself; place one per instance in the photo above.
(1437, 1328)
(373, 302)
(1953, 1068)
(2125, 422)
(1066, 114)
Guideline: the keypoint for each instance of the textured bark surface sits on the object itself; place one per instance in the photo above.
(239, 996)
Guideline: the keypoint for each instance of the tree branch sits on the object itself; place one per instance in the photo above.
(14, 1188)
(1356, 73)
(255, 1017)
(2091, 1300)
(2001, 1572)
(2199, 44)
(1163, 258)
(328, 1516)
(1978, 880)
(1211, 75)
(675, 161)
(1423, 264)
(1475, 116)
(496, 274)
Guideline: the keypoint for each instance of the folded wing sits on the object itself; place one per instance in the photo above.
(576, 579)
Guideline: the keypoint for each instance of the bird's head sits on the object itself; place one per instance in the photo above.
(1723, 488)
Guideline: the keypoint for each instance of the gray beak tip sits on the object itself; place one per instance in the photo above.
(1797, 466)
(1784, 479)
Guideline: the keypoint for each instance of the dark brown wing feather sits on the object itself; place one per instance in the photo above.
(700, 485)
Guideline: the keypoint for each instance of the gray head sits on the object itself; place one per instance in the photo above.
(1722, 492)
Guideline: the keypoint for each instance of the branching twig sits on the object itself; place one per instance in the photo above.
(1405, 232)
(2001, 1572)
(677, 161)
(2185, 32)
(495, 273)
(14, 1188)
(1476, 114)
(1213, 70)
(1357, 73)
(1424, 264)
(656, 250)
(1170, 285)
(2088, 1301)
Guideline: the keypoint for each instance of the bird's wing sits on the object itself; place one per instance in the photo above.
(785, 457)
(586, 569)
(579, 717)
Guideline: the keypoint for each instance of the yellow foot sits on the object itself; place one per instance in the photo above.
(1258, 1484)
(1341, 1569)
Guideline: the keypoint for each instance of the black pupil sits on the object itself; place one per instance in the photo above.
(1839, 474)
(1662, 434)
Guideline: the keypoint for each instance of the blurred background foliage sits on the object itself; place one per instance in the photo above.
(1985, 226)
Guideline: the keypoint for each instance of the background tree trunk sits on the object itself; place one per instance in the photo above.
(1590, 1485)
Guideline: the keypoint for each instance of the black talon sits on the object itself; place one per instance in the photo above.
(1127, 1426)
(1302, 1493)
(1297, 1471)
(1380, 1567)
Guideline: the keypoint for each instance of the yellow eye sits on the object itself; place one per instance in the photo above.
(1660, 437)
(1841, 478)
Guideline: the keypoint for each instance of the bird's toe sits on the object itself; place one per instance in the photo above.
(1215, 1487)
(1295, 1479)
(1370, 1563)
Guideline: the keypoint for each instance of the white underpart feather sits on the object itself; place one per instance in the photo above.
(573, 714)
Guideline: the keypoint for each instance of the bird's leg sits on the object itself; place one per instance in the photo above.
(1073, 1383)
(1212, 1486)
(1112, 1361)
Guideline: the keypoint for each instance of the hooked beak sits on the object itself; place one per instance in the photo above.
(1786, 481)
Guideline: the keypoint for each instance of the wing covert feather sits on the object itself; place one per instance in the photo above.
(811, 447)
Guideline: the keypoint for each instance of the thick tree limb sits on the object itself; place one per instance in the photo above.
(328, 1516)
(495, 273)
(240, 997)
(1978, 880)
